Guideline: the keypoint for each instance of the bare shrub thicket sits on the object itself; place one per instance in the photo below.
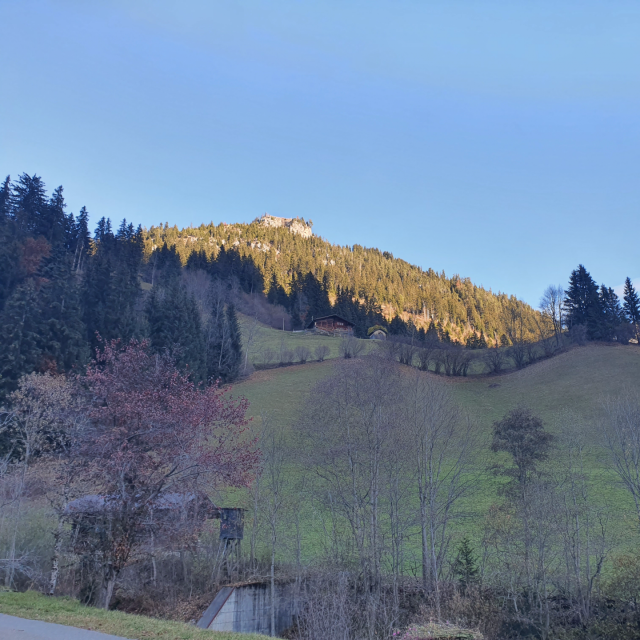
(351, 347)
(303, 353)
(321, 352)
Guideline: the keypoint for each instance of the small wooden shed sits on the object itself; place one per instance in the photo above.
(332, 325)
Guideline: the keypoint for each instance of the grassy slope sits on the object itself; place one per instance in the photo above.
(574, 381)
(268, 338)
(35, 606)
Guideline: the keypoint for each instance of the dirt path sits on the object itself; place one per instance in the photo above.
(12, 628)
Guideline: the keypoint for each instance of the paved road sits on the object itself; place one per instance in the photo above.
(12, 628)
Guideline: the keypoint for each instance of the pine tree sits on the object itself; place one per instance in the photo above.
(54, 220)
(610, 313)
(465, 566)
(19, 336)
(62, 334)
(30, 209)
(631, 306)
(583, 303)
(5, 200)
(175, 327)
(234, 359)
(83, 240)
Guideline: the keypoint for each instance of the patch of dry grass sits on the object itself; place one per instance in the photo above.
(35, 606)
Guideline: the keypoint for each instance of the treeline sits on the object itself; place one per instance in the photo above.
(64, 291)
(380, 283)
(595, 312)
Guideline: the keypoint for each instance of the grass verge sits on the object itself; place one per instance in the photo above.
(35, 606)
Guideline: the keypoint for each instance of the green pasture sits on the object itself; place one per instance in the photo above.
(575, 381)
(266, 339)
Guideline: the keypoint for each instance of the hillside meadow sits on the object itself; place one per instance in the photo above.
(568, 388)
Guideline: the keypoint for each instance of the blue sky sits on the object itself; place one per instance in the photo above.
(499, 141)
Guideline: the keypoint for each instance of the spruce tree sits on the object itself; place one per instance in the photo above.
(231, 371)
(19, 336)
(610, 313)
(30, 209)
(631, 306)
(465, 566)
(175, 327)
(62, 334)
(583, 303)
(5, 200)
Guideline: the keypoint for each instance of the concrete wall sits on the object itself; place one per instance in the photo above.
(247, 609)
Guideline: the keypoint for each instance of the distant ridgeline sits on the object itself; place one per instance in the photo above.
(63, 289)
(310, 277)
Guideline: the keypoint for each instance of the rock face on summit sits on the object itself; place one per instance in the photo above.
(295, 225)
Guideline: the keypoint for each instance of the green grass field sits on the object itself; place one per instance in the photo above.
(272, 340)
(575, 381)
(35, 606)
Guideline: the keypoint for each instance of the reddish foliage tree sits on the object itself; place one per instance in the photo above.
(152, 431)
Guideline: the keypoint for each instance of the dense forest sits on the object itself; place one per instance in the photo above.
(304, 273)
(64, 290)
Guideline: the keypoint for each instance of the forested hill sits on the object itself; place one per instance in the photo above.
(65, 288)
(284, 256)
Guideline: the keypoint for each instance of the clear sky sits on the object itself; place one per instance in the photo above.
(496, 140)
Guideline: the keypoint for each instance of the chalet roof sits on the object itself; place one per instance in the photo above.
(333, 315)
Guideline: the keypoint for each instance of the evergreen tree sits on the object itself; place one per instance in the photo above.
(30, 209)
(465, 566)
(175, 327)
(432, 334)
(54, 221)
(224, 346)
(583, 303)
(82, 240)
(19, 336)
(62, 334)
(5, 200)
(610, 316)
(631, 306)
(232, 369)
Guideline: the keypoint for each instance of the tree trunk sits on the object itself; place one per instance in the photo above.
(108, 591)
(55, 560)
(273, 592)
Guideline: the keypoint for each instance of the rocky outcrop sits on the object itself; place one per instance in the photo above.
(295, 225)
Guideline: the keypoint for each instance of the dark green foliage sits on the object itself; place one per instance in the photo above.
(431, 334)
(111, 284)
(5, 200)
(277, 294)
(465, 566)
(29, 206)
(610, 314)
(175, 327)
(583, 303)
(223, 339)
(631, 306)
(62, 333)
(19, 336)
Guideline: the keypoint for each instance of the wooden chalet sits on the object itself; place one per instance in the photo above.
(331, 325)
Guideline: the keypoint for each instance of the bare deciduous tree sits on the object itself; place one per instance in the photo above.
(621, 431)
(303, 353)
(442, 443)
(321, 352)
(551, 306)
